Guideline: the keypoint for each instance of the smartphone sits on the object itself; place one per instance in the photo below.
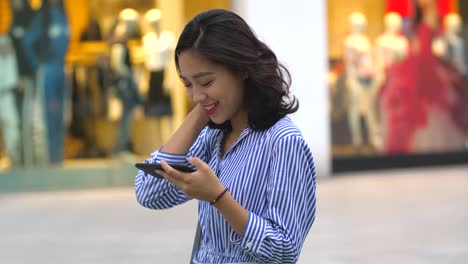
(151, 168)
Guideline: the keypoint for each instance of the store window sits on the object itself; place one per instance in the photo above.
(89, 80)
(397, 77)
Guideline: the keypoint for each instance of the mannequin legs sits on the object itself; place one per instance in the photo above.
(362, 101)
(354, 114)
(128, 95)
(10, 125)
(30, 123)
(53, 92)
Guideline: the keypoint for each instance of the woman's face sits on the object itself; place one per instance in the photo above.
(213, 86)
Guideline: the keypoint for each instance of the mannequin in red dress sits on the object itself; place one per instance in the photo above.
(420, 94)
(390, 47)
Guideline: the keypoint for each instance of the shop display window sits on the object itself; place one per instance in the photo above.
(397, 77)
(88, 82)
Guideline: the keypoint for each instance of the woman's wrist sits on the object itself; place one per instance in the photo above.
(215, 200)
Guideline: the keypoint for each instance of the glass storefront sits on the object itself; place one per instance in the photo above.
(397, 78)
(89, 81)
(80, 88)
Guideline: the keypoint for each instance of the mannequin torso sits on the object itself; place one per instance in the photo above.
(158, 46)
(390, 46)
(157, 49)
(455, 48)
(358, 57)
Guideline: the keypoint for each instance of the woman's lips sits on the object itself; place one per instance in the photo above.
(210, 109)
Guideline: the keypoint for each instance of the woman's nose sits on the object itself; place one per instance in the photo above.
(197, 95)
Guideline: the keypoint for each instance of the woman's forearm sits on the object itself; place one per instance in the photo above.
(236, 215)
(181, 141)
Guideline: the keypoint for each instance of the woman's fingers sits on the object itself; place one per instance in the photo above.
(198, 185)
(197, 162)
(179, 175)
(174, 176)
(170, 179)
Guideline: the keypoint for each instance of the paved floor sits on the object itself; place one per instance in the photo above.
(406, 216)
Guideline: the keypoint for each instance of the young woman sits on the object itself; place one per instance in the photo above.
(255, 175)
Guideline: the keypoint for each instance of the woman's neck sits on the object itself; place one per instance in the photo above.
(239, 123)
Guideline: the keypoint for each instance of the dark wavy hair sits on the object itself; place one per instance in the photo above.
(224, 38)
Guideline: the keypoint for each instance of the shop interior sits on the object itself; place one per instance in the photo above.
(122, 96)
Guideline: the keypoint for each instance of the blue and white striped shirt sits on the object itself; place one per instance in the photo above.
(271, 173)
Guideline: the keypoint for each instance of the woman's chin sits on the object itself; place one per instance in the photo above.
(217, 121)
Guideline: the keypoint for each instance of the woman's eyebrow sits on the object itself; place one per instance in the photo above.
(202, 74)
(197, 75)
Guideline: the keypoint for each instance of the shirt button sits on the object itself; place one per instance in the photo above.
(249, 245)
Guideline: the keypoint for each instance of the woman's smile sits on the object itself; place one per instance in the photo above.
(211, 109)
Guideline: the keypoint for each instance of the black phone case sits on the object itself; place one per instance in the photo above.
(150, 168)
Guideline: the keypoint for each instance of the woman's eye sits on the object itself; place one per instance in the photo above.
(187, 85)
(207, 84)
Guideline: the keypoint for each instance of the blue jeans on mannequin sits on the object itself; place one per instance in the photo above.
(127, 92)
(52, 91)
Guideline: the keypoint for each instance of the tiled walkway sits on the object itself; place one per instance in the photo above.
(405, 216)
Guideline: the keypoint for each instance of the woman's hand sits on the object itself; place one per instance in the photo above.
(203, 184)
(199, 114)
(187, 133)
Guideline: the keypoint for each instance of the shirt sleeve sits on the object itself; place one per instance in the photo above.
(158, 193)
(277, 235)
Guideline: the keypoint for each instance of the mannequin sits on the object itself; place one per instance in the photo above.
(390, 47)
(359, 81)
(454, 46)
(8, 112)
(119, 53)
(125, 87)
(49, 30)
(156, 59)
(454, 53)
(404, 9)
(85, 98)
(25, 92)
(158, 46)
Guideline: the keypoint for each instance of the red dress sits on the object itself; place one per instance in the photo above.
(405, 7)
(413, 88)
(402, 7)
